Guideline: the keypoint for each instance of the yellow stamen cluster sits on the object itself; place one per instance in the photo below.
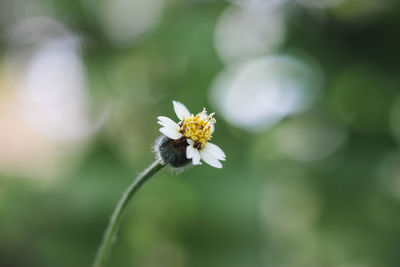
(198, 128)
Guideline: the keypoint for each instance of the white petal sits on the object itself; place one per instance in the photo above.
(196, 157)
(215, 151)
(180, 110)
(190, 142)
(164, 119)
(210, 160)
(167, 122)
(171, 133)
(190, 151)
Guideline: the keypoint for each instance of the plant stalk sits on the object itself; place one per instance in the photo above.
(109, 235)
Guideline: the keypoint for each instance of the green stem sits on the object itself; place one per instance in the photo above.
(112, 227)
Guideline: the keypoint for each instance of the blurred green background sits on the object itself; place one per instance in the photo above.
(308, 112)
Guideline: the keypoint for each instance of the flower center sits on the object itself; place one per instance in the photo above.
(198, 128)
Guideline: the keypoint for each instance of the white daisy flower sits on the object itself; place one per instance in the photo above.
(189, 138)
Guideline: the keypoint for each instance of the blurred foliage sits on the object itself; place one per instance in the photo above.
(271, 204)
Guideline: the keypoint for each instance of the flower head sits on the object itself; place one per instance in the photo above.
(189, 139)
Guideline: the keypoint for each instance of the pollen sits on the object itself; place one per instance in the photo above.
(198, 128)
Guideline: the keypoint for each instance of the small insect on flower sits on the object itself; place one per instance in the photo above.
(189, 139)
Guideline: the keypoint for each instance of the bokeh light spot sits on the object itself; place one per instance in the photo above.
(257, 94)
(248, 32)
(125, 20)
(309, 138)
(389, 173)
